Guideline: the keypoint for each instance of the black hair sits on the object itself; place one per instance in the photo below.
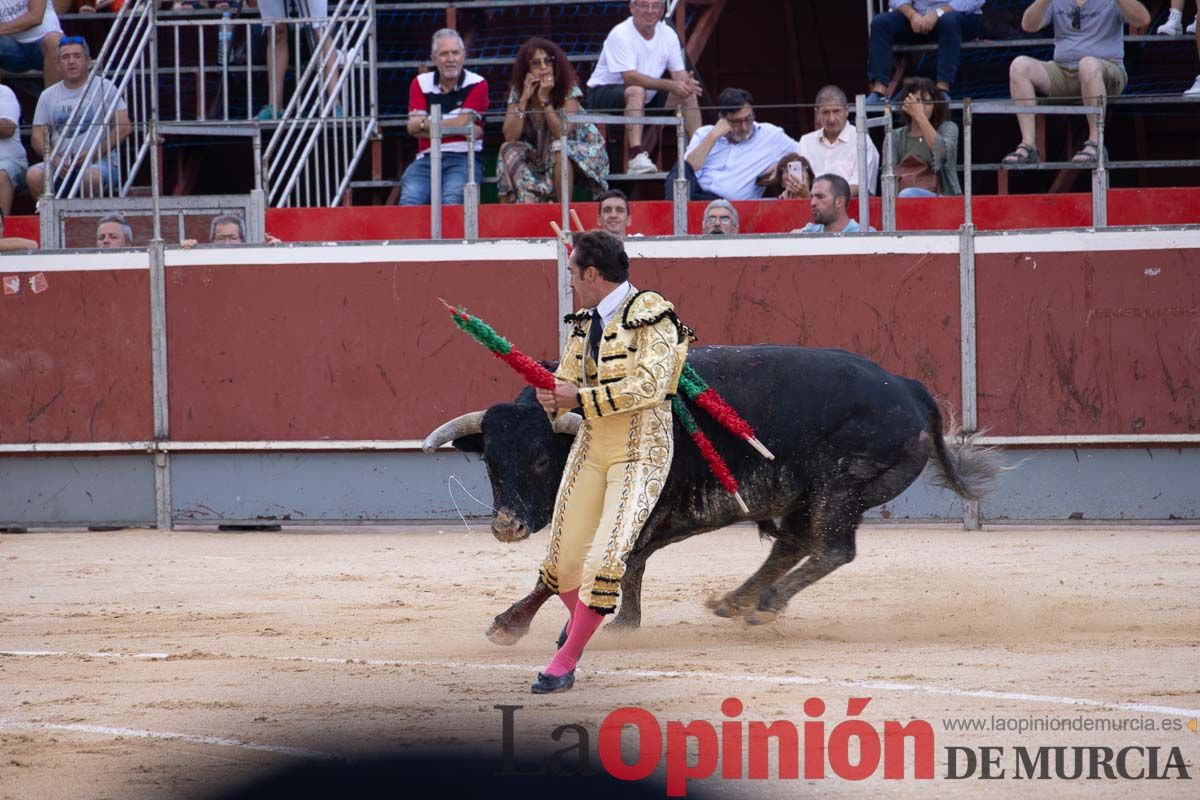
(732, 100)
(837, 185)
(610, 194)
(603, 251)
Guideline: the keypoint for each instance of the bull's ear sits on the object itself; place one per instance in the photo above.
(469, 444)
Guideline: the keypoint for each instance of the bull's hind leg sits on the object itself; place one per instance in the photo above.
(791, 544)
(834, 522)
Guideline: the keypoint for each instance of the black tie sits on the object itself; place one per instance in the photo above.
(594, 334)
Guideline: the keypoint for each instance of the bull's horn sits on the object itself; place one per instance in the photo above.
(456, 428)
(568, 423)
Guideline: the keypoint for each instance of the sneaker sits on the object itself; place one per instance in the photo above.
(1191, 28)
(641, 164)
(1195, 90)
(1172, 27)
(265, 114)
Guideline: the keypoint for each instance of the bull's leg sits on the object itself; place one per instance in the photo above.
(508, 628)
(791, 545)
(834, 522)
(629, 615)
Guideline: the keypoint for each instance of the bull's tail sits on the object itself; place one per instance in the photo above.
(966, 468)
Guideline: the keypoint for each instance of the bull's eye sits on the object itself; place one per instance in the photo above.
(541, 465)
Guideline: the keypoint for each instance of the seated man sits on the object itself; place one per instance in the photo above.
(732, 158)
(13, 161)
(833, 146)
(113, 231)
(29, 36)
(948, 22)
(1089, 62)
(85, 136)
(613, 214)
(629, 76)
(720, 218)
(228, 229)
(457, 90)
(829, 203)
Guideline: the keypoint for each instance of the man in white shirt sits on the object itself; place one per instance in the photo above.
(729, 159)
(833, 147)
(80, 143)
(29, 34)
(13, 163)
(629, 76)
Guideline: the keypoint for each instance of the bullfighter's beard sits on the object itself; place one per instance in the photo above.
(617, 466)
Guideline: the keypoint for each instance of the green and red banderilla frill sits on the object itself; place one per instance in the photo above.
(690, 384)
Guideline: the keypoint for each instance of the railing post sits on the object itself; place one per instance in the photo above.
(966, 301)
(679, 190)
(967, 183)
(158, 380)
(1100, 174)
(564, 176)
(888, 181)
(563, 284)
(864, 191)
(435, 172)
(471, 190)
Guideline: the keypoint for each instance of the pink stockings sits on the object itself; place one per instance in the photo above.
(583, 623)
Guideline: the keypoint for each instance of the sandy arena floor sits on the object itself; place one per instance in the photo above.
(140, 664)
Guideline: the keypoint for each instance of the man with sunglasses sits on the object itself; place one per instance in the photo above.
(1089, 62)
(77, 148)
(736, 158)
(629, 76)
(29, 34)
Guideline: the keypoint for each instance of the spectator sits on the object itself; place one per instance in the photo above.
(113, 231)
(14, 243)
(457, 90)
(614, 214)
(790, 182)
(29, 37)
(74, 144)
(274, 13)
(735, 158)
(228, 229)
(1195, 90)
(530, 163)
(925, 149)
(1174, 24)
(949, 22)
(833, 146)
(13, 162)
(1089, 55)
(628, 76)
(720, 217)
(829, 202)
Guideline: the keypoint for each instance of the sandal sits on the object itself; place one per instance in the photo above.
(1024, 154)
(1087, 154)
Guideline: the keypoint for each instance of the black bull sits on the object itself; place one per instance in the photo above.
(846, 434)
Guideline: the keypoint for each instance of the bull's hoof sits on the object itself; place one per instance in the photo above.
(505, 636)
(728, 606)
(714, 601)
(762, 617)
(621, 624)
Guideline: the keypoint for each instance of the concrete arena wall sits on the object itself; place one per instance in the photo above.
(1076, 333)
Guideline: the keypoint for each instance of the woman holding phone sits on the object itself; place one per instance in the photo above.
(529, 170)
(790, 179)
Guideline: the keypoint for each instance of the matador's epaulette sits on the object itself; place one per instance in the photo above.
(649, 308)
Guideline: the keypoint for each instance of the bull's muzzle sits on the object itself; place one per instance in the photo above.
(507, 528)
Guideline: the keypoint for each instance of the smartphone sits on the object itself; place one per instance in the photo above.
(796, 170)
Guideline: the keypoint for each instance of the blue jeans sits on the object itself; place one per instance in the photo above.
(914, 191)
(694, 190)
(20, 56)
(892, 28)
(414, 185)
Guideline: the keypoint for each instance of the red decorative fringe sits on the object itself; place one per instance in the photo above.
(723, 413)
(715, 462)
(534, 373)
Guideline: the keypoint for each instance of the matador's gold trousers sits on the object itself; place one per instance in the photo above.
(614, 476)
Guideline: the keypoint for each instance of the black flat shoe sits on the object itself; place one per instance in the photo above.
(549, 683)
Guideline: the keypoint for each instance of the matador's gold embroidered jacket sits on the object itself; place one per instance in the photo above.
(642, 352)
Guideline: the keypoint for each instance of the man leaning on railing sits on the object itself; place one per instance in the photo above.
(83, 144)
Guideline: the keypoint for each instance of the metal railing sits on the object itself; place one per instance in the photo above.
(105, 130)
(332, 114)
